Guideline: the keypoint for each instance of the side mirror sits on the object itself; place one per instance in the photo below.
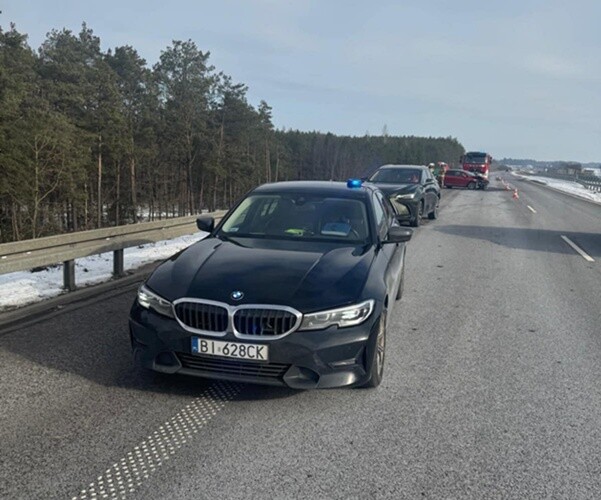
(205, 224)
(399, 235)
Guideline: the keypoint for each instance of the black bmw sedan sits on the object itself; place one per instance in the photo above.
(294, 287)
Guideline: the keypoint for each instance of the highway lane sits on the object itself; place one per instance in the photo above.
(562, 213)
(491, 387)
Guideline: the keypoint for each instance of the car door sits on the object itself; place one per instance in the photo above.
(450, 178)
(464, 179)
(392, 253)
(459, 175)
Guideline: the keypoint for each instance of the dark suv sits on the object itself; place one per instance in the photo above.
(412, 189)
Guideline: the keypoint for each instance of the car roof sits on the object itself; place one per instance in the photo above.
(393, 166)
(322, 188)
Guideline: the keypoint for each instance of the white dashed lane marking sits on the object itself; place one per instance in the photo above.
(127, 474)
(531, 209)
(582, 253)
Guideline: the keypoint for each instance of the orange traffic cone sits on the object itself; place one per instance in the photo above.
(515, 194)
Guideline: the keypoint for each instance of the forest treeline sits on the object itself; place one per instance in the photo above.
(92, 138)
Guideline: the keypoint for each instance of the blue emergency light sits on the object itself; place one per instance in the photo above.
(354, 183)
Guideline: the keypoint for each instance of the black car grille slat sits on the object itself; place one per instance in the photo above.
(263, 322)
(202, 316)
(232, 367)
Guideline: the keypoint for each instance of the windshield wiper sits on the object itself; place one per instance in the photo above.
(229, 239)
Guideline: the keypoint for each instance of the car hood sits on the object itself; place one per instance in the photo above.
(317, 278)
(393, 189)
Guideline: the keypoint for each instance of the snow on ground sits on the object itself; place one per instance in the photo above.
(24, 287)
(566, 186)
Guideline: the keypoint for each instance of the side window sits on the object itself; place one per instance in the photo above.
(383, 214)
(379, 214)
(388, 209)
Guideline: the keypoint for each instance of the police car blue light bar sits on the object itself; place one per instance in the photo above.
(354, 183)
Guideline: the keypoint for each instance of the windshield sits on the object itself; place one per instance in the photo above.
(475, 158)
(299, 217)
(397, 176)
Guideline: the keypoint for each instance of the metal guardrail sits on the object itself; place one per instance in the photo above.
(65, 248)
(591, 182)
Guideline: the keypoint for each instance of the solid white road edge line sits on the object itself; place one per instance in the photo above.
(531, 209)
(584, 255)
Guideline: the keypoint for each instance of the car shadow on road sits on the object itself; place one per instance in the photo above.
(477, 191)
(540, 240)
(93, 344)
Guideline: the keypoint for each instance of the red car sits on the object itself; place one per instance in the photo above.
(461, 178)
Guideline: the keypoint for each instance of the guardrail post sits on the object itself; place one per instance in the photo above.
(118, 269)
(69, 275)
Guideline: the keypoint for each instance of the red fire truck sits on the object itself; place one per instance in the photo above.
(476, 162)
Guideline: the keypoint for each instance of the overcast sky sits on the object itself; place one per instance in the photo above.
(516, 78)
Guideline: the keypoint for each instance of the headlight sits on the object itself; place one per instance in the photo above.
(150, 300)
(408, 196)
(344, 316)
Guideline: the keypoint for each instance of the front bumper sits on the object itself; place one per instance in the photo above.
(407, 209)
(302, 360)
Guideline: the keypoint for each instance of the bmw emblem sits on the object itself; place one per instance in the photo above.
(237, 295)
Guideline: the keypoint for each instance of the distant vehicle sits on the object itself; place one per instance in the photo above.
(476, 162)
(411, 188)
(461, 178)
(294, 287)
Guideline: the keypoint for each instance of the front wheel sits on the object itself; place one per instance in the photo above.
(471, 185)
(420, 212)
(376, 370)
(434, 213)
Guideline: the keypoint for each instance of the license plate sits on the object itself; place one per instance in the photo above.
(236, 350)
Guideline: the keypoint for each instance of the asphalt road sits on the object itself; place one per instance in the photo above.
(491, 390)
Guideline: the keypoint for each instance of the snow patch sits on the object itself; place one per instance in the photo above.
(566, 186)
(25, 287)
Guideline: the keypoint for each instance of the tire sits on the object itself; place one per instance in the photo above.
(471, 185)
(420, 212)
(399, 292)
(376, 367)
(434, 213)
